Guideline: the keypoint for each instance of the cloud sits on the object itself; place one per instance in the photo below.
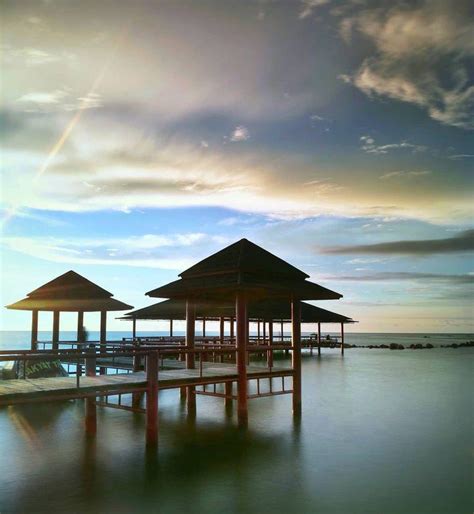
(173, 252)
(308, 6)
(461, 156)
(240, 133)
(407, 275)
(404, 174)
(369, 146)
(463, 242)
(422, 57)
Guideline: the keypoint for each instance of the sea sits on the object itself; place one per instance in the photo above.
(382, 432)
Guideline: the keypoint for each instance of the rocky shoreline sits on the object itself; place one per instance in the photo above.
(418, 346)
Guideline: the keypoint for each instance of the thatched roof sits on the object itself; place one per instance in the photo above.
(246, 267)
(70, 292)
(270, 310)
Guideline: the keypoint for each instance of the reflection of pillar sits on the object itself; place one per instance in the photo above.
(34, 330)
(91, 408)
(152, 398)
(242, 335)
(103, 327)
(55, 330)
(190, 360)
(342, 338)
(296, 354)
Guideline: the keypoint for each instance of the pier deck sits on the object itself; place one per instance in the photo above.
(63, 388)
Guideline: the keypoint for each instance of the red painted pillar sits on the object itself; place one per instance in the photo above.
(242, 336)
(296, 354)
(152, 398)
(34, 330)
(55, 330)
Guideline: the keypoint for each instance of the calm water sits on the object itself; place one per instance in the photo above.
(382, 432)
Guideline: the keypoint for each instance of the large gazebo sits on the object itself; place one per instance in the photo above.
(243, 274)
(69, 292)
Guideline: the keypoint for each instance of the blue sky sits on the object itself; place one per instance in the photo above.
(140, 137)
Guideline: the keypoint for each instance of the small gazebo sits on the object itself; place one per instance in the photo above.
(69, 292)
(242, 273)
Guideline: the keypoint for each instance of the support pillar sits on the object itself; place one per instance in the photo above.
(270, 343)
(134, 328)
(55, 330)
(152, 398)
(221, 338)
(34, 330)
(319, 339)
(90, 406)
(171, 328)
(190, 358)
(203, 327)
(103, 327)
(80, 329)
(242, 337)
(258, 330)
(232, 335)
(296, 354)
(342, 338)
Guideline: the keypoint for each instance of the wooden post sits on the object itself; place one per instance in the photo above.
(282, 331)
(231, 328)
(242, 336)
(342, 338)
(55, 330)
(171, 328)
(258, 330)
(103, 327)
(190, 360)
(296, 354)
(264, 331)
(91, 408)
(34, 330)
(152, 398)
(134, 328)
(203, 327)
(319, 339)
(221, 337)
(270, 342)
(80, 328)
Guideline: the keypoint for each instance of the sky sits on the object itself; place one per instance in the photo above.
(140, 137)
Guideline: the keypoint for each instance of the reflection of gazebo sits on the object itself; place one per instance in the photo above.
(70, 292)
(241, 274)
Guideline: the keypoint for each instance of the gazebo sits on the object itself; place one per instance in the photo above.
(69, 292)
(244, 273)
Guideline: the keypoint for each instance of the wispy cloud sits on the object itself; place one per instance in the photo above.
(462, 242)
(390, 276)
(404, 174)
(308, 7)
(369, 146)
(415, 47)
(240, 133)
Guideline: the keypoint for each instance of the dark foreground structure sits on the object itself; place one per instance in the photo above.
(241, 283)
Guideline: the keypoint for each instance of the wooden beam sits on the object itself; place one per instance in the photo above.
(232, 328)
(258, 330)
(152, 399)
(103, 327)
(34, 330)
(264, 331)
(134, 328)
(242, 337)
(203, 327)
(282, 331)
(296, 354)
(55, 330)
(171, 328)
